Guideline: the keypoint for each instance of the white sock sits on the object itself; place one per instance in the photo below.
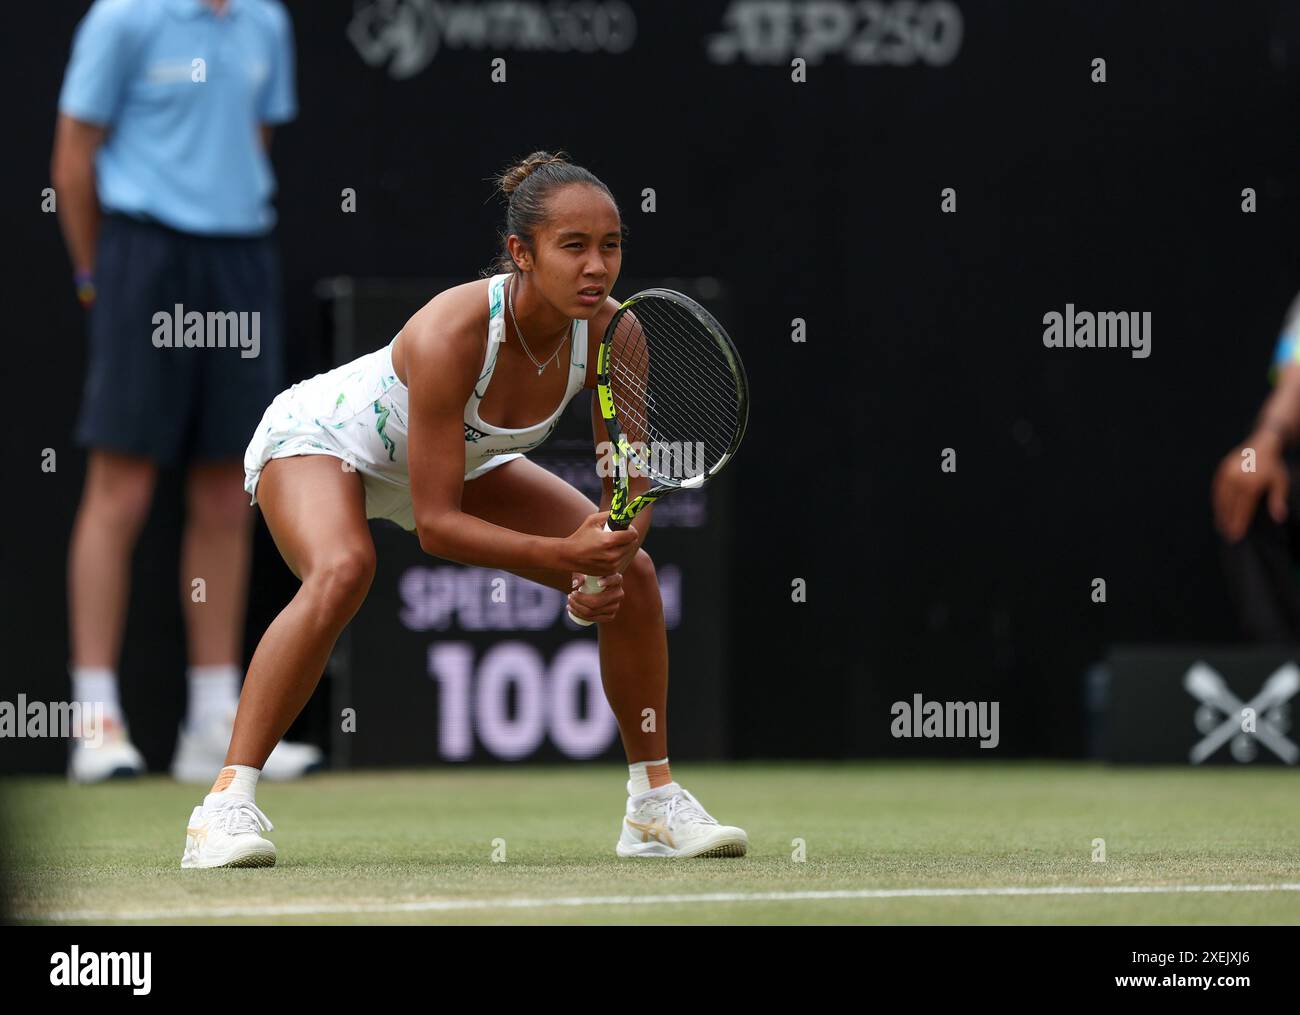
(643, 776)
(97, 684)
(240, 779)
(214, 690)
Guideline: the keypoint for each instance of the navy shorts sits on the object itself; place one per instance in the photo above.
(186, 347)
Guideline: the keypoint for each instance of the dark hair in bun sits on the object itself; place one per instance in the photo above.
(527, 185)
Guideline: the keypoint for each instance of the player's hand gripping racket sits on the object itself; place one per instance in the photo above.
(674, 397)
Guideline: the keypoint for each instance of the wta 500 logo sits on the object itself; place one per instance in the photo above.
(407, 34)
(867, 32)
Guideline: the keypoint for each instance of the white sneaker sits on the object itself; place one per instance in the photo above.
(201, 754)
(670, 822)
(115, 757)
(223, 833)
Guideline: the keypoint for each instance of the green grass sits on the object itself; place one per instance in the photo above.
(381, 839)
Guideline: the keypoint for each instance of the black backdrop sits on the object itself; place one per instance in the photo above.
(818, 200)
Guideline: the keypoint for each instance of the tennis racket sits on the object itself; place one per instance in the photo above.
(674, 397)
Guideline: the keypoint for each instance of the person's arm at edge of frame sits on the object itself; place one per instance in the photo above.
(1256, 467)
(72, 173)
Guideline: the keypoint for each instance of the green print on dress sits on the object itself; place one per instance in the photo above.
(337, 402)
(380, 423)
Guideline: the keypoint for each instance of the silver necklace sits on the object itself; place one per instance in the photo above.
(510, 302)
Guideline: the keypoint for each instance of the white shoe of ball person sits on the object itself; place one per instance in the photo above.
(103, 752)
(201, 753)
(223, 832)
(670, 822)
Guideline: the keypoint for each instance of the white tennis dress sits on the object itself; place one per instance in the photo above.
(357, 412)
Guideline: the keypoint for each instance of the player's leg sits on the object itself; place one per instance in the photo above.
(216, 548)
(316, 512)
(662, 819)
(523, 496)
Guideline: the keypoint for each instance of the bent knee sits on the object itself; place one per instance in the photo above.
(342, 579)
(640, 577)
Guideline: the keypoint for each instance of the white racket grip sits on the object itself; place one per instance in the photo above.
(591, 584)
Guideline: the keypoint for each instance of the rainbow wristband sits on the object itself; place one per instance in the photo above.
(85, 282)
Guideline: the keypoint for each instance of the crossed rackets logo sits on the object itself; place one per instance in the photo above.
(1221, 714)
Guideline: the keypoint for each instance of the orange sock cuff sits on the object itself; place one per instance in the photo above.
(237, 779)
(644, 776)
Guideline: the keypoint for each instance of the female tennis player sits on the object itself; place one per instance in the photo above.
(430, 431)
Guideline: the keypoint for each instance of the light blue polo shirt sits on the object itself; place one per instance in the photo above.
(183, 91)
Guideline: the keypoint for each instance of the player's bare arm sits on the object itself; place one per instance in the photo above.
(441, 353)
